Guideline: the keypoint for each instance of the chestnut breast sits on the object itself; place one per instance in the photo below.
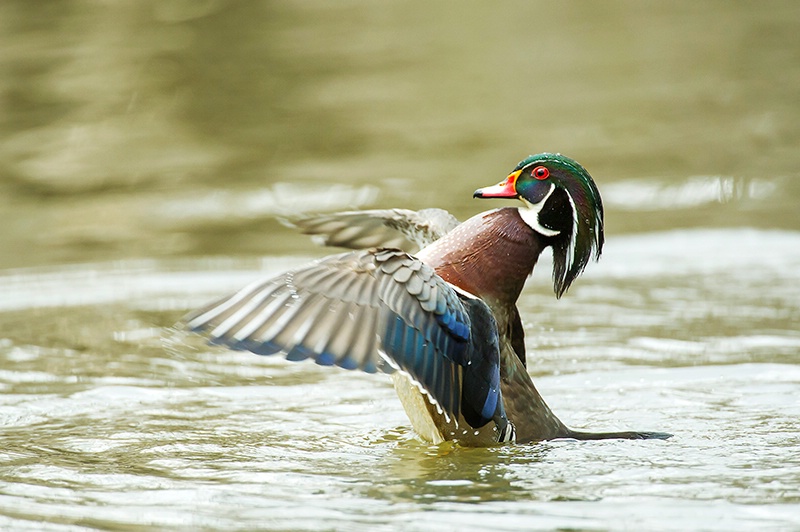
(490, 255)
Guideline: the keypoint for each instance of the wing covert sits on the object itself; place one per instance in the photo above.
(390, 228)
(373, 310)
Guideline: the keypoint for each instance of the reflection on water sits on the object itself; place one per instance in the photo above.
(140, 136)
(640, 194)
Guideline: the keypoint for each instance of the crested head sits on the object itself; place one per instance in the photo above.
(563, 205)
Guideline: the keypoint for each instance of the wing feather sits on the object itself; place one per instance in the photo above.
(373, 310)
(391, 228)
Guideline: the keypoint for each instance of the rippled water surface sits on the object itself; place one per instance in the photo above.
(149, 147)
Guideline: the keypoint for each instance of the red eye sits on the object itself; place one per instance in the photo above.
(540, 172)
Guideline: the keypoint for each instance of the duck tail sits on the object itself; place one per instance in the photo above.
(626, 435)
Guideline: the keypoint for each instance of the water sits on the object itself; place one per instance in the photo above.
(148, 148)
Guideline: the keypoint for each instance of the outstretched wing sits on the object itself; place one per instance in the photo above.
(390, 228)
(370, 310)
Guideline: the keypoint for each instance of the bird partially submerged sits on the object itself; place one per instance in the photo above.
(444, 320)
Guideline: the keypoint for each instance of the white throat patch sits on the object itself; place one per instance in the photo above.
(530, 214)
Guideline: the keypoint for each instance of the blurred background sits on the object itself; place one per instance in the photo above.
(182, 127)
(148, 146)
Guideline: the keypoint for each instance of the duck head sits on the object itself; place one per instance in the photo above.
(562, 205)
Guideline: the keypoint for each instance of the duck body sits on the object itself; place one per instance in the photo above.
(473, 257)
(442, 321)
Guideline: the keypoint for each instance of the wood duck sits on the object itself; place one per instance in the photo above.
(443, 321)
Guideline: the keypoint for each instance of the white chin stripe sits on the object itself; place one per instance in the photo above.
(530, 214)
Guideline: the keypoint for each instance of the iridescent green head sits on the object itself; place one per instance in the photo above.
(563, 205)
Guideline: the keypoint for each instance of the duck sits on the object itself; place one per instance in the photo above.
(433, 303)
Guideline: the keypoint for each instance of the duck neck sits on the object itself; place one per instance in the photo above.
(490, 255)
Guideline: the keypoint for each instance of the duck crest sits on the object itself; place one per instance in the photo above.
(583, 207)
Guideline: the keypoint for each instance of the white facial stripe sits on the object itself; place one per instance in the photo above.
(574, 236)
(530, 214)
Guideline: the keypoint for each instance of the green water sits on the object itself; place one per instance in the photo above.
(148, 147)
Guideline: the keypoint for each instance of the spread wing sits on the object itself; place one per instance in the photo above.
(390, 228)
(373, 310)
